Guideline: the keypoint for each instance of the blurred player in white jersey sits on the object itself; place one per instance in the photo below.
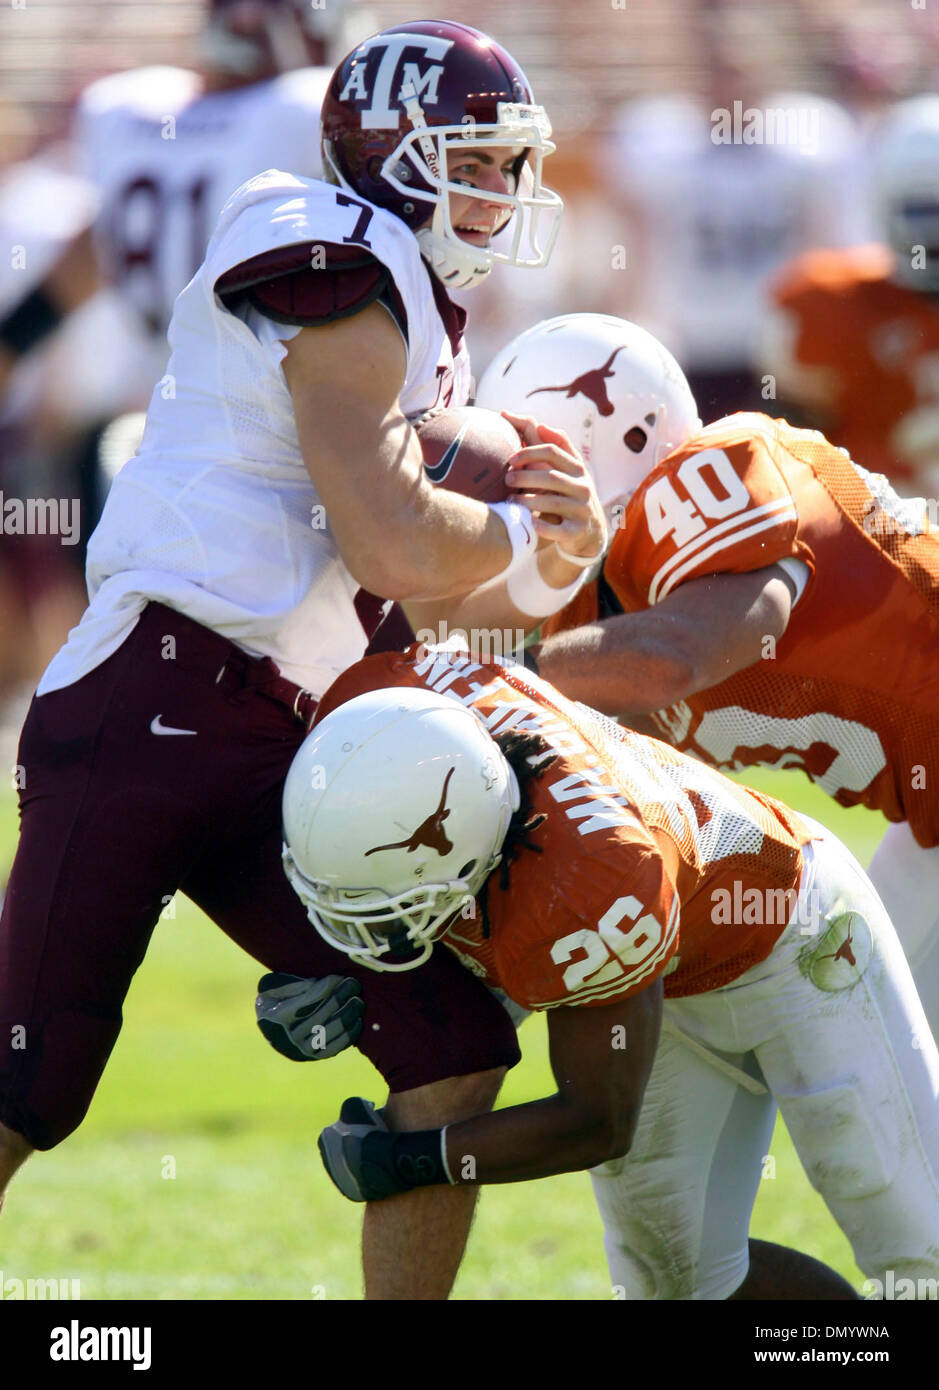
(278, 492)
(721, 190)
(165, 147)
(44, 210)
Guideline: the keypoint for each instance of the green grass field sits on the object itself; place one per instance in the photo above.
(193, 1090)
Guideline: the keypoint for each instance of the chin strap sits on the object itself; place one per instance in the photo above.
(454, 268)
(415, 114)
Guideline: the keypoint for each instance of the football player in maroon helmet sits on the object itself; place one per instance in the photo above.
(278, 497)
(467, 99)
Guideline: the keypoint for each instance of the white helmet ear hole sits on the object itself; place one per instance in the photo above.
(636, 439)
(467, 869)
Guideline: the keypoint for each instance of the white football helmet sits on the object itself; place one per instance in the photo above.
(616, 392)
(395, 810)
(905, 187)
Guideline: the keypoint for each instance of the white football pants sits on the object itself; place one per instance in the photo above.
(907, 878)
(839, 1036)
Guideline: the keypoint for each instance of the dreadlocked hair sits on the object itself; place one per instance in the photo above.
(517, 748)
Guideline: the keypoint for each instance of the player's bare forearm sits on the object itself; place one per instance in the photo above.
(412, 1244)
(537, 1140)
(490, 621)
(451, 544)
(618, 665)
(601, 1060)
(552, 482)
(701, 634)
(399, 535)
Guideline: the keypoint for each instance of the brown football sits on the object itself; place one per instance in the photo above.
(466, 450)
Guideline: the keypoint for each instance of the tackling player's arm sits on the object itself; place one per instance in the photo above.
(589, 1120)
(703, 632)
(591, 1117)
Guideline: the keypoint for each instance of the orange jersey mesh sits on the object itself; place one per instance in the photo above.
(873, 346)
(651, 864)
(851, 692)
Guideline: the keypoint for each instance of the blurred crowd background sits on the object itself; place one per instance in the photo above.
(664, 224)
(584, 58)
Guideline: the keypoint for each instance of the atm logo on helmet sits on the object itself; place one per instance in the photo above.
(381, 114)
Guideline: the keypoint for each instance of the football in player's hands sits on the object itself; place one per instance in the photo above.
(466, 450)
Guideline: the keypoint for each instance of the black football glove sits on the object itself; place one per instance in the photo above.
(307, 1020)
(367, 1161)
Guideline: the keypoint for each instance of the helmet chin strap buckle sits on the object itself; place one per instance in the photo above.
(455, 270)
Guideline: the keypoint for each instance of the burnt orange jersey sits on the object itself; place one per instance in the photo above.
(864, 351)
(850, 692)
(650, 863)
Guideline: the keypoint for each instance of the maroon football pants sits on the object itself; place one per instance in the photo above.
(117, 815)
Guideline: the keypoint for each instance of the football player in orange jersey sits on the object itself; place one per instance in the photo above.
(695, 943)
(852, 337)
(765, 599)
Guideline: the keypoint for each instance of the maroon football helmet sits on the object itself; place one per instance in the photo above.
(405, 98)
